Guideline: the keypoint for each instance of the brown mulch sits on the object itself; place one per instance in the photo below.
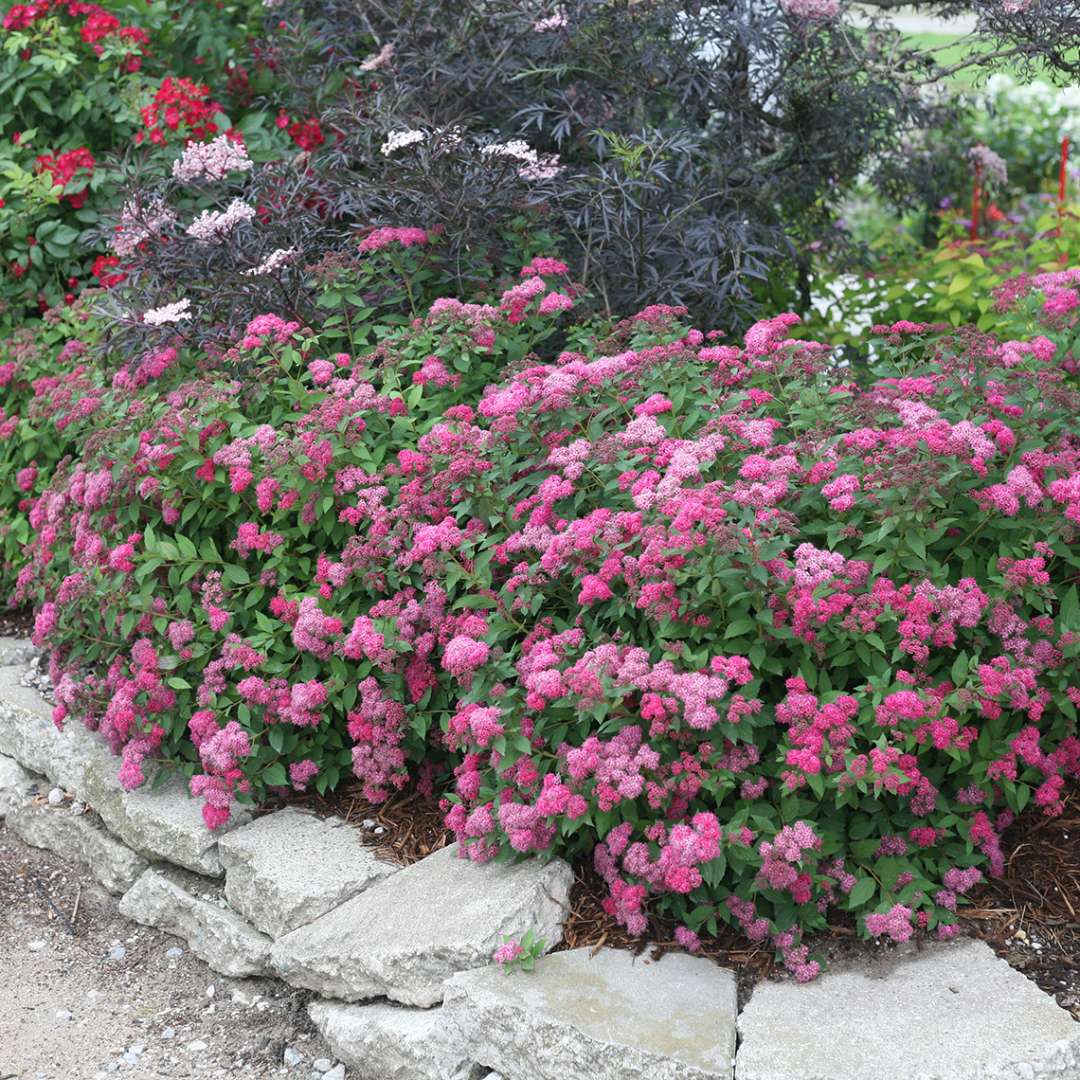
(16, 622)
(411, 823)
(1030, 916)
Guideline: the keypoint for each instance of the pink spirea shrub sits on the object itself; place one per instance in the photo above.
(759, 635)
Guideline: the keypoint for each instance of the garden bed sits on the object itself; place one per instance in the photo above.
(1028, 916)
(426, 408)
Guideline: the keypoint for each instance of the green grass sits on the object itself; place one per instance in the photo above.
(952, 48)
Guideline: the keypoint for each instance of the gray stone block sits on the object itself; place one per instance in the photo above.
(612, 1016)
(391, 1042)
(28, 734)
(161, 824)
(79, 838)
(409, 933)
(15, 784)
(180, 904)
(288, 868)
(950, 1012)
(16, 650)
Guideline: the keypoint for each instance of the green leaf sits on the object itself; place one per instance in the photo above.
(237, 575)
(861, 893)
(275, 775)
(1070, 610)
(959, 670)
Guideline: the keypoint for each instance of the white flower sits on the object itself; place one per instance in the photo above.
(398, 139)
(274, 261)
(535, 167)
(170, 313)
(212, 226)
(552, 22)
(516, 148)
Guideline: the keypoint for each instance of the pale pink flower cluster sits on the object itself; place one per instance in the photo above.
(139, 223)
(782, 858)
(224, 749)
(379, 59)
(213, 160)
(213, 226)
(552, 22)
(988, 163)
(816, 10)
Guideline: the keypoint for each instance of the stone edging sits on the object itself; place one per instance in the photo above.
(300, 897)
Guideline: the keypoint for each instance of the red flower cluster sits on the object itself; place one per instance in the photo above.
(63, 169)
(103, 271)
(98, 25)
(179, 103)
(307, 134)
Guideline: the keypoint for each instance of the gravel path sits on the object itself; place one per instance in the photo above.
(86, 994)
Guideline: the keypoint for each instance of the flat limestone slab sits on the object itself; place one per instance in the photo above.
(409, 933)
(28, 734)
(15, 650)
(78, 837)
(950, 1012)
(161, 824)
(612, 1016)
(15, 784)
(394, 1043)
(288, 868)
(172, 902)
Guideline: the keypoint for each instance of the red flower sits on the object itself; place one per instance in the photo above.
(103, 264)
(307, 134)
(64, 168)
